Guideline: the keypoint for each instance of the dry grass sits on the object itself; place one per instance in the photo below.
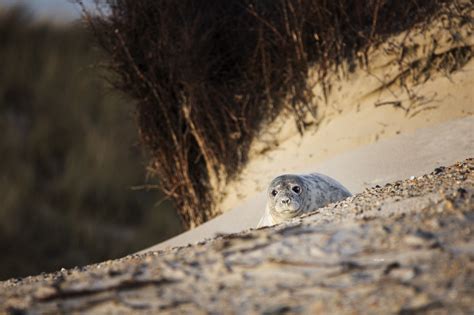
(207, 75)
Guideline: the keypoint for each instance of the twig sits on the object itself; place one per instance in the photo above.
(393, 103)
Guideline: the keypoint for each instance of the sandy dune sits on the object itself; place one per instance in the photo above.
(388, 160)
(363, 107)
(396, 118)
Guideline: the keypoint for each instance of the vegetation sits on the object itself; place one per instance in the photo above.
(207, 75)
(67, 160)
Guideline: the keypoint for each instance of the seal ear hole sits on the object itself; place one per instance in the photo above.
(274, 192)
(296, 189)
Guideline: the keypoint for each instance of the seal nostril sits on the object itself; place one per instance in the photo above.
(285, 200)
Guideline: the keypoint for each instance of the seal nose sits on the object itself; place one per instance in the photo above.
(285, 200)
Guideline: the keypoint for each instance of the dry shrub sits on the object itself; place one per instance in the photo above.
(207, 75)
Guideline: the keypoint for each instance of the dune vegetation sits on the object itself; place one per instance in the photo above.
(206, 76)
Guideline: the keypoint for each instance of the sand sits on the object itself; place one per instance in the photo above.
(387, 122)
(362, 109)
(404, 248)
(388, 160)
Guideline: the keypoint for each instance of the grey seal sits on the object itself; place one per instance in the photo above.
(290, 195)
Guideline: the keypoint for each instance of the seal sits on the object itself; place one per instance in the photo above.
(290, 195)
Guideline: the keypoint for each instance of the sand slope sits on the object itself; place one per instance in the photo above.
(392, 96)
(399, 157)
(405, 248)
(410, 110)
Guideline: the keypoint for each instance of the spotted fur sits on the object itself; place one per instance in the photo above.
(285, 201)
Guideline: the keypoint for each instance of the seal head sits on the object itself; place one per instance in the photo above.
(285, 196)
(291, 195)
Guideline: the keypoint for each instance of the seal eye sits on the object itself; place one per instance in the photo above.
(274, 192)
(296, 189)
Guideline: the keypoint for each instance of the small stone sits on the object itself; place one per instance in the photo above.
(413, 240)
(461, 192)
(402, 274)
(44, 292)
